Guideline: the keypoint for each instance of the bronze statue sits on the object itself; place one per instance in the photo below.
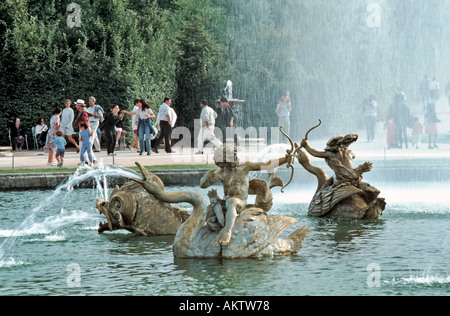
(237, 185)
(229, 228)
(134, 209)
(346, 195)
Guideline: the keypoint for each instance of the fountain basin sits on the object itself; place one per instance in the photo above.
(409, 246)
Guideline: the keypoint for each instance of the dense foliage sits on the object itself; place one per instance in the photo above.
(330, 54)
(122, 50)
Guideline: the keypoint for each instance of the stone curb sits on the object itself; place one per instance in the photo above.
(43, 180)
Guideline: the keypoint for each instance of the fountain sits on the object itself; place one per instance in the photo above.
(228, 93)
(251, 141)
(228, 228)
(327, 69)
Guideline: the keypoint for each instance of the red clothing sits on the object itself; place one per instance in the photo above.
(431, 129)
(417, 129)
(390, 127)
(287, 101)
(82, 117)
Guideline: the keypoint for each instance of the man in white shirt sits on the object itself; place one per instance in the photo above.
(135, 125)
(96, 115)
(165, 124)
(208, 120)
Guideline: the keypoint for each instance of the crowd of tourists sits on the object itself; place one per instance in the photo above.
(91, 122)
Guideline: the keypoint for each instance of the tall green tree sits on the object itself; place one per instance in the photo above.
(116, 55)
(202, 62)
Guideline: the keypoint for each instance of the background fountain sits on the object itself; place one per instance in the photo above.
(253, 143)
(228, 93)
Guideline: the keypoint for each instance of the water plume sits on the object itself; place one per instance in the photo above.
(30, 226)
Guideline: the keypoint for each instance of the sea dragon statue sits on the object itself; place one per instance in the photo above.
(132, 208)
(346, 195)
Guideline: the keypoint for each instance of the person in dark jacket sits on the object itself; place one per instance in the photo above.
(109, 127)
(402, 117)
(228, 120)
(17, 135)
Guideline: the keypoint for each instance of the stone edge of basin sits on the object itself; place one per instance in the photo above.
(51, 180)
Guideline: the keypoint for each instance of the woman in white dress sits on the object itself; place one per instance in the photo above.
(67, 118)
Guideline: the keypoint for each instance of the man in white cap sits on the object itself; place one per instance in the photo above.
(83, 116)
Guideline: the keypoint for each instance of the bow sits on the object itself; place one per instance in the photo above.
(290, 153)
(314, 127)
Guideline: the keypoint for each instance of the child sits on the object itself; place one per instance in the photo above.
(430, 125)
(60, 147)
(85, 135)
(417, 132)
(390, 127)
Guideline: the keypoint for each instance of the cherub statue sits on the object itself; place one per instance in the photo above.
(236, 183)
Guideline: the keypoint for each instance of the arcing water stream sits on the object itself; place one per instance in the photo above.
(61, 196)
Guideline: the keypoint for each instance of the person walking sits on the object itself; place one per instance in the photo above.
(50, 146)
(402, 119)
(145, 128)
(135, 123)
(370, 116)
(109, 125)
(67, 118)
(208, 120)
(283, 112)
(417, 132)
(96, 115)
(83, 117)
(86, 144)
(431, 129)
(165, 124)
(120, 129)
(229, 120)
(390, 137)
(60, 147)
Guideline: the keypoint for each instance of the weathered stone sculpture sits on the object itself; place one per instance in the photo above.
(134, 209)
(229, 228)
(346, 195)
